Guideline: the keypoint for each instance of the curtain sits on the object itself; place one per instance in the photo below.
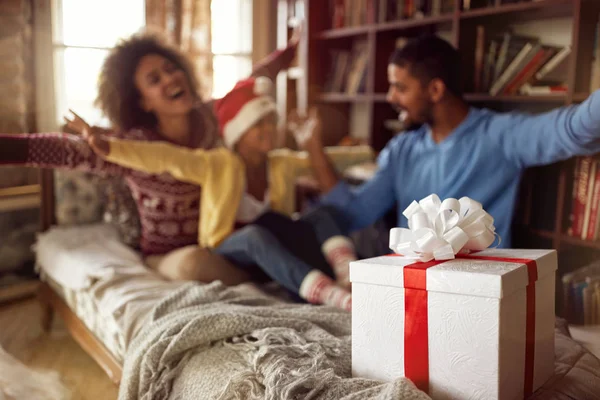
(186, 23)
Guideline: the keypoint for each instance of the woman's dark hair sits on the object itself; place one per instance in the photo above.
(118, 96)
(430, 57)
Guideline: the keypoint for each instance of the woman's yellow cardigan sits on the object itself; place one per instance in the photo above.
(221, 174)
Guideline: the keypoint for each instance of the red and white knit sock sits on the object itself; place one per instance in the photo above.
(318, 288)
(339, 251)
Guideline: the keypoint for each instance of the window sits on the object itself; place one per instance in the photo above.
(84, 31)
(231, 35)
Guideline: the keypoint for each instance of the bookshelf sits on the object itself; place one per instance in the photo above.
(19, 213)
(542, 219)
(20, 197)
(20, 190)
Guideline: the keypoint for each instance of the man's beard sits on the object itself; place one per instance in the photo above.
(412, 126)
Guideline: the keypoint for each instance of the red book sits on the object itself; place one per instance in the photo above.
(371, 12)
(479, 55)
(588, 199)
(574, 197)
(583, 179)
(339, 14)
(409, 8)
(528, 71)
(591, 231)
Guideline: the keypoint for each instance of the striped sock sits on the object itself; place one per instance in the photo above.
(318, 288)
(339, 252)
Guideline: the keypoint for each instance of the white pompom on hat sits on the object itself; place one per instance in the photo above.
(248, 102)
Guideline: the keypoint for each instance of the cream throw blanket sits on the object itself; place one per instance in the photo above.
(217, 342)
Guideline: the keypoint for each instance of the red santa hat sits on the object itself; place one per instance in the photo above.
(243, 106)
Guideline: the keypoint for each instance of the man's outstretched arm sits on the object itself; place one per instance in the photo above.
(531, 140)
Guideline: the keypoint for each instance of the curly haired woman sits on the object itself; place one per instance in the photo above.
(148, 91)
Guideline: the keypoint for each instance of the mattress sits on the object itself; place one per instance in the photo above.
(104, 282)
(83, 304)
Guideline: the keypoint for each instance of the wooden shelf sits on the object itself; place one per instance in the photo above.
(542, 8)
(567, 239)
(387, 26)
(413, 23)
(20, 190)
(543, 233)
(580, 242)
(380, 97)
(483, 97)
(20, 198)
(344, 98)
(344, 32)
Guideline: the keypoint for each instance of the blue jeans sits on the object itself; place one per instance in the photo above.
(326, 221)
(284, 249)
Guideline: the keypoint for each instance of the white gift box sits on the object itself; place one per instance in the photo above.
(478, 331)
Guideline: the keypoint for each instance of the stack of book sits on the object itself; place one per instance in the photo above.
(581, 295)
(583, 216)
(516, 64)
(347, 13)
(348, 69)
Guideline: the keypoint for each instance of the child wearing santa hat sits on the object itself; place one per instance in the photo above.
(243, 183)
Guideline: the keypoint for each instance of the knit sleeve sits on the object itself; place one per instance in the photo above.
(184, 164)
(275, 62)
(221, 196)
(53, 150)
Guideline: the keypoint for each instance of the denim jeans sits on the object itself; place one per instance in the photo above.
(284, 249)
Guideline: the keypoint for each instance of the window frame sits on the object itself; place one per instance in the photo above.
(249, 55)
(50, 93)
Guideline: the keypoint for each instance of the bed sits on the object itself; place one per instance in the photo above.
(151, 336)
(95, 284)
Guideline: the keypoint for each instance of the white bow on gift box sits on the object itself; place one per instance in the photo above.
(441, 229)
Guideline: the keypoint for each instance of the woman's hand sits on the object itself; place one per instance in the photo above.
(91, 134)
(78, 125)
(97, 142)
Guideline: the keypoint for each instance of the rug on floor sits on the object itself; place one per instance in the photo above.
(19, 382)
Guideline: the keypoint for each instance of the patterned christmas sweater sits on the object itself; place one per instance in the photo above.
(168, 208)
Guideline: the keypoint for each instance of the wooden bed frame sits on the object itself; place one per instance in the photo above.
(52, 302)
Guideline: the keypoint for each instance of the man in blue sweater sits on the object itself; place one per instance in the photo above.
(459, 150)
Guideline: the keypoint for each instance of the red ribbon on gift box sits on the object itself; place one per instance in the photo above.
(416, 333)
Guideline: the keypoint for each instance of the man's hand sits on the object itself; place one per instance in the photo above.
(307, 130)
(296, 34)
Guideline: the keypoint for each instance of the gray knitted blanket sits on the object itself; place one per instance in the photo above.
(215, 342)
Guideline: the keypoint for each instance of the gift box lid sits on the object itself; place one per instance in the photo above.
(470, 276)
